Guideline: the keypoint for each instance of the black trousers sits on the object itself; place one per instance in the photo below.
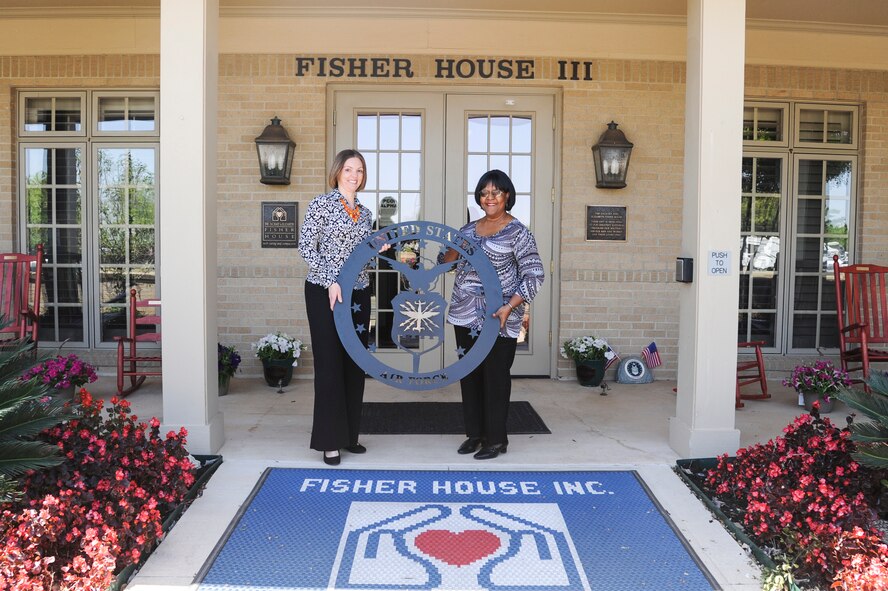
(338, 381)
(487, 390)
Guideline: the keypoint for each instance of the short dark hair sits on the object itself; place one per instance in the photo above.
(501, 181)
(339, 163)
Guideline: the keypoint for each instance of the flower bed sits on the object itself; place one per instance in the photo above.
(78, 525)
(803, 505)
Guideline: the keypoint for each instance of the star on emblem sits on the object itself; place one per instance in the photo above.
(356, 308)
(359, 328)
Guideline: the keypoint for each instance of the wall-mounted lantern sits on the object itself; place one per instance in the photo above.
(275, 149)
(611, 156)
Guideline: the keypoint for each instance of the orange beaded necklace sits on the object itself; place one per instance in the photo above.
(354, 213)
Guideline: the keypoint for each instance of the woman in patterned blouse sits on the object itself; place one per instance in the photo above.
(513, 251)
(334, 224)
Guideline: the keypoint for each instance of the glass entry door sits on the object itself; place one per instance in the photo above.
(425, 152)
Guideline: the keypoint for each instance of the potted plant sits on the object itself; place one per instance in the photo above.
(229, 360)
(817, 382)
(591, 355)
(279, 353)
(63, 373)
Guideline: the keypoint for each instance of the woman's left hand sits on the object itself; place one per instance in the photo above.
(503, 314)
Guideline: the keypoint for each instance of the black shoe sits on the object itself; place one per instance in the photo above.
(489, 452)
(332, 460)
(356, 448)
(469, 446)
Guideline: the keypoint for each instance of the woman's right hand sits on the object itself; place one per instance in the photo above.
(335, 294)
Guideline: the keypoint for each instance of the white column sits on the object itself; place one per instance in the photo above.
(188, 88)
(707, 359)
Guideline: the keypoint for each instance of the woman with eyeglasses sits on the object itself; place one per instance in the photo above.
(513, 251)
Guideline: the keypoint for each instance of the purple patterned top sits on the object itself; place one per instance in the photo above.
(513, 252)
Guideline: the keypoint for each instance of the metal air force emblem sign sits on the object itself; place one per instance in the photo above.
(420, 307)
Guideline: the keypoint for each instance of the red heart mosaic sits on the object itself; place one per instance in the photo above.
(458, 549)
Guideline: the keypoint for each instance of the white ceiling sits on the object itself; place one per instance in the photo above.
(867, 13)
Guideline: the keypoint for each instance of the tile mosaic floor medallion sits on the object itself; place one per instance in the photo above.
(452, 531)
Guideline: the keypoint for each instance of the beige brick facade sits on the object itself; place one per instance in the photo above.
(621, 291)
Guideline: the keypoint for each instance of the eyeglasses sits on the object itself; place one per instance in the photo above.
(496, 194)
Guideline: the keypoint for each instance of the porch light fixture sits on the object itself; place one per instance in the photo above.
(275, 149)
(611, 156)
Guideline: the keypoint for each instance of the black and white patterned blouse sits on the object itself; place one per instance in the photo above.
(513, 252)
(328, 236)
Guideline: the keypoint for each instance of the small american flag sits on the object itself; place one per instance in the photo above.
(613, 359)
(651, 355)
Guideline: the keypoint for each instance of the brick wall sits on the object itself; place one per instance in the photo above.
(623, 292)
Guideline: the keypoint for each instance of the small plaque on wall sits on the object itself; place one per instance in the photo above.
(279, 224)
(606, 222)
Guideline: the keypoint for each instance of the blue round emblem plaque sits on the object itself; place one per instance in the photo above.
(419, 309)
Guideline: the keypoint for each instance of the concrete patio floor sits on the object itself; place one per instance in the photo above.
(626, 429)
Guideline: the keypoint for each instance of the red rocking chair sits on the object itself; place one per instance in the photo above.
(862, 316)
(751, 371)
(20, 276)
(143, 327)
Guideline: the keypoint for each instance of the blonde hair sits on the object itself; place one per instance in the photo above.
(339, 164)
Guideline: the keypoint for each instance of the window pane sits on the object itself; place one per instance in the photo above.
(828, 296)
(829, 331)
(141, 166)
(744, 291)
(804, 331)
(521, 210)
(838, 178)
(112, 167)
(746, 176)
(38, 114)
(142, 246)
(142, 203)
(809, 216)
(521, 134)
(112, 246)
(111, 203)
(806, 293)
(112, 285)
(839, 127)
(410, 170)
(389, 132)
(763, 327)
(500, 162)
(142, 113)
(837, 216)
(475, 167)
(411, 132)
(113, 322)
(71, 323)
(67, 162)
(767, 214)
(768, 174)
(811, 126)
(70, 285)
(745, 214)
(68, 114)
(39, 201)
(810, 177)
(764, 293)
(370, 173)
(499, 134)
(366, 132)
(112, 114)
(477, 134)
(521, 171)
(769, 124)
(808, 254)
(38, 166)
(388, 172)
(68, 248)
(41, 236)
(68, 206)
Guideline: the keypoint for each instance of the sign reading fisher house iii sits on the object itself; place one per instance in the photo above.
(279, 227)
(456, 68)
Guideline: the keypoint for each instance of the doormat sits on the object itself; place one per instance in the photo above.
(318, 529)
(440, 418)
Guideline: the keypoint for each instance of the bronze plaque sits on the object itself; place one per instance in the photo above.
(606, 222)
(279, 224)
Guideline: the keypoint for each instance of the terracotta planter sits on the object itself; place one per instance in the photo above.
(590, 372)
(277, 372)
